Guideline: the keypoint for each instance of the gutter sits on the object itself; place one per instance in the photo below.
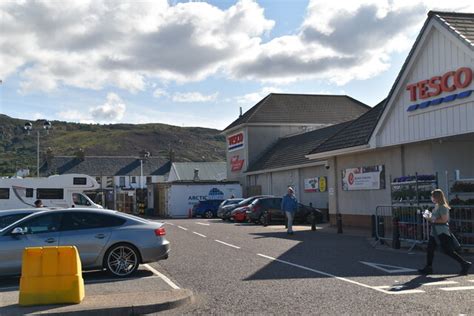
(317, 163)
(338, 152)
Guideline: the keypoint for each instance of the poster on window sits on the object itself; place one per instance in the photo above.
(316, 184)
(363, 178)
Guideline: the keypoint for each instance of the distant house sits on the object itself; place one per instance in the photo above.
(111, 171)
(120, 178)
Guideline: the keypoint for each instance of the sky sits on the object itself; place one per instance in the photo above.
(195, 63)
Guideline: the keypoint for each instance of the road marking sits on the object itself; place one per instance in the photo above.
(439, 283)
(162, 276)
(224, 243)
(204, 224)
(170, 223)
(391, 269)
(199, 234)
(183, 228)
(457, 288)
(341, 278)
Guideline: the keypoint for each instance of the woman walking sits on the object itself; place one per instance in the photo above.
(440, 234)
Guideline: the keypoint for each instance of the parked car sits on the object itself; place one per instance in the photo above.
(226, 210)
(8, 217)
(239, 214)
(206, 208)
(228, 202)
(105, 239)
(269, 210)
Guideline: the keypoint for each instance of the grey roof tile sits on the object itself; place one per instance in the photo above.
(291, 151)
(208, 171)
(105, 166)
(461, 23)
(302, 108)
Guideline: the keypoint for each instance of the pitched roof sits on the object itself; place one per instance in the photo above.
(291, 151)
(302, 108)
(106, 166)
(208, 171)
(462, 24)
(356, 133)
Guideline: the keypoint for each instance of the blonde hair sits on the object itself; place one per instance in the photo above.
(440, 198)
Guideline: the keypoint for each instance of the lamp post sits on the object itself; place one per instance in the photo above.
(28, 128)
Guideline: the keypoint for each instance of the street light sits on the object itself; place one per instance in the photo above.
(28, 128)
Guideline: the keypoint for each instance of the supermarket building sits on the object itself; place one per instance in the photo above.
(425, 126)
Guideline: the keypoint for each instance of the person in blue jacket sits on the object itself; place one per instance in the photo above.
(289, 204)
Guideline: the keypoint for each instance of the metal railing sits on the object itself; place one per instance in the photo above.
(396, 224)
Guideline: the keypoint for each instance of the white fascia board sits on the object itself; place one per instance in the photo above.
(314, 164)
(338, 152)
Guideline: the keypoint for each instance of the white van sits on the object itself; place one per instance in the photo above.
(55, 191)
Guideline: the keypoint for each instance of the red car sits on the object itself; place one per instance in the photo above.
(239, 214)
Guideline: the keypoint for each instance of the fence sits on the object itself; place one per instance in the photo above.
(406, 223)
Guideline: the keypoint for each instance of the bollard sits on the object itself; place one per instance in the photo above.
(339, 223)
(373, 221)
(396, 233)
(313, 220)
(381, 228)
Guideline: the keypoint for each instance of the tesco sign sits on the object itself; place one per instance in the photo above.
(449, 82)
(235, 141)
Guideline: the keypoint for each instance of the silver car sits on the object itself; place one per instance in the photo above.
(105, 239)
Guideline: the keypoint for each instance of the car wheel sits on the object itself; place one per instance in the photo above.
(122, 260)
(208, 214)
(263, 220)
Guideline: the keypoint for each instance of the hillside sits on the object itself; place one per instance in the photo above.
(18, 150)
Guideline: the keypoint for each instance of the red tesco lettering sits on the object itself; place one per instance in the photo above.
(235, 139)
(434, 86)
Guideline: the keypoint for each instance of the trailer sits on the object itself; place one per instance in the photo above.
(179, 197)
(54, 191)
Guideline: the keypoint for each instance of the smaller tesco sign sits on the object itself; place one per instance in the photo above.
(235, 141)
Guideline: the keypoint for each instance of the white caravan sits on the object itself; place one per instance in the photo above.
(55, 191)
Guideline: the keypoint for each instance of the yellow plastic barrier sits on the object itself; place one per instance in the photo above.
(51, 275)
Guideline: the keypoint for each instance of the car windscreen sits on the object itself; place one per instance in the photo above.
(7, 220)
(246, 201)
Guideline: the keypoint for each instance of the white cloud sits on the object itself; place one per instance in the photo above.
(111, 111)
(252, 98)
(94, 44)
(158, 93)
(192, 97)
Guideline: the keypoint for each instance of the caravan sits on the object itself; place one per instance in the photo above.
(55, 191)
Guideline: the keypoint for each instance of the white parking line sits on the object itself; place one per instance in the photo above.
(439, 283)
(376, 288)
(183, 228)
(457, 288)
(199, 234)
(162, 276)
(224, 243)
(170, 223)
(204, 224)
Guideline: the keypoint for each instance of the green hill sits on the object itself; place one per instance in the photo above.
(18, 150)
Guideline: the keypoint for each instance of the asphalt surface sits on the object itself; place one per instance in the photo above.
(250, 269)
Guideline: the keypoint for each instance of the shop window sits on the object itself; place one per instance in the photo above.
(122, 181)
(148, 180)
(4, 193)
(134, 179)
(50, 194)
(79, 181)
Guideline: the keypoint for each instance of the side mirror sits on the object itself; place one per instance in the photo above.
(18, 231)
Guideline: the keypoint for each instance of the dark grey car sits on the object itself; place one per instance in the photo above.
(105, 239)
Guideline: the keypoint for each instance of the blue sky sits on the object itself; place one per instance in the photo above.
(195, 63)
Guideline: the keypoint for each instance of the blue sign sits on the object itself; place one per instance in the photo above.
(438, 101)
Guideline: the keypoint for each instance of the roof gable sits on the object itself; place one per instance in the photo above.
(279, 108)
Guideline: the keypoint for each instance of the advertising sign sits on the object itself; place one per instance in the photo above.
(236, 164)
(316, 184)
(363, 178)
(235, 141)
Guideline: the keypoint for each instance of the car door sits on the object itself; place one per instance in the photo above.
(39, 231)
(87, 231)
(276, 209)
